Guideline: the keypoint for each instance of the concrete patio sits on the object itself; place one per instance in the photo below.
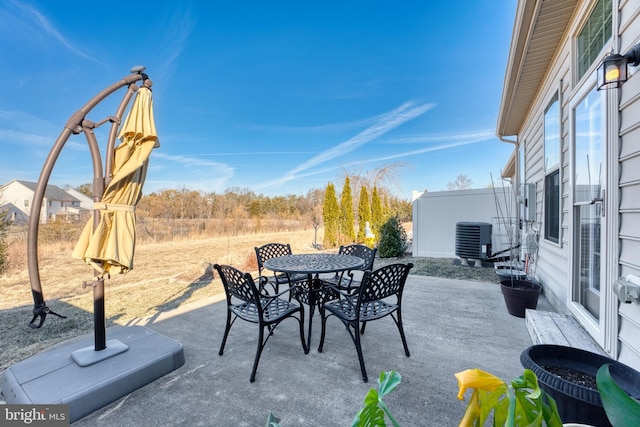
(451, 325)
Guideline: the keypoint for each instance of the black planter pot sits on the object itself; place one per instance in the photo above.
(520, 295)
(507, 272)
(576, 403)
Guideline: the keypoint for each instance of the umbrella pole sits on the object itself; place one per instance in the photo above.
(100, 326)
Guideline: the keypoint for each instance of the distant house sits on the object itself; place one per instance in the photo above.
(12, 214)
(578, 149)
(86, 202)
(17, 196)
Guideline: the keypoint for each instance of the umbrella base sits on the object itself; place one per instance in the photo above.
(54, 377)
(88, 355)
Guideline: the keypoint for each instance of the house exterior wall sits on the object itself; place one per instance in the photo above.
(618, 332)
(85, 202)
(22, 197)
(435, 215)
(628, 189)
(553, 262)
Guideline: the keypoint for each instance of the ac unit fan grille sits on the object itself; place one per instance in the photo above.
(473, 240)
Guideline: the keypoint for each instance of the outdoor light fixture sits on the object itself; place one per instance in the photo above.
(613, 70)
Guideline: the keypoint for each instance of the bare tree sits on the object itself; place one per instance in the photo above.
(462, 182)
(385, 177)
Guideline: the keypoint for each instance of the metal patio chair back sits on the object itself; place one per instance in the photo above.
(245, 302)
(361, 251)
(275, 250)
(379, 295)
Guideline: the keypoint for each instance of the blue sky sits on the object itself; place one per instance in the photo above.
(279, 97)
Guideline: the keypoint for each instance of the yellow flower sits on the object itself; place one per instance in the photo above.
(478, 379)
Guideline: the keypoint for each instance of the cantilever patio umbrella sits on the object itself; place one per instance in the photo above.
(72, 372)
(108, 239)
(108, 244)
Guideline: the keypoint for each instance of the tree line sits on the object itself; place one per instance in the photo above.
(182, 212)
(241, 210)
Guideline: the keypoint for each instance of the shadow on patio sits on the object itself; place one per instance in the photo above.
(451, 325)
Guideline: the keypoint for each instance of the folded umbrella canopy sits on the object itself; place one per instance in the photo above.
(107, 243)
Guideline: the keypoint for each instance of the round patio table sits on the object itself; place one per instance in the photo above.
(312, 265)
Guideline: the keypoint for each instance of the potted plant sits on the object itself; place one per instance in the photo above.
(374, 411)
(517, 280)
(519, 403)
(525, 403)
(569, 376)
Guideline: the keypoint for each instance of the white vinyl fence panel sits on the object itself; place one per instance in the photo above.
(435, 215)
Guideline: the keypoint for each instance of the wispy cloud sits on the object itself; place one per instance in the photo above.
(255, 153)
(332, 127)
(440, 147)
(32, 18)
(480, 135)
(189, 171)
(176, 35)
(191, 161)
(17, 127)
(383, 124)
(424, 150)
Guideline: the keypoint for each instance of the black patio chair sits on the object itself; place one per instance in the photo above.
(274, 250)
(379, 295)
(244, 301)
(349, 282)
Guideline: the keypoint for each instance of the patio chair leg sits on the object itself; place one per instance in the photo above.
(359, 350)
(226, 333)
(258, 353)
(401, 329)
(322, 329)
(362, 328)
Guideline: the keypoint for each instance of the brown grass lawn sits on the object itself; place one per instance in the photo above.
(165, 276)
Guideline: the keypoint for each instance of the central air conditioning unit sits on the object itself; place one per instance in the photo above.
(473, 240)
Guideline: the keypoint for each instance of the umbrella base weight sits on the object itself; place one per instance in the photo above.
(54, 377)
(88, 355)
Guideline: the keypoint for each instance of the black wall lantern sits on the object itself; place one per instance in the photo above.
(613, 70)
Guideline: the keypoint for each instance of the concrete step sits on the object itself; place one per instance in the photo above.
(546, 327)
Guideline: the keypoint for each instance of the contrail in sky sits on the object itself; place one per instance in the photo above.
(384, 124)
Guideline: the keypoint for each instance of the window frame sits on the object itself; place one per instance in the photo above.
(552, 139)
(594, 35)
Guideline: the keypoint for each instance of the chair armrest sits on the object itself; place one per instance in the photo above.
(341, 291)
(263, 281)
(339, 279)
(272, 298)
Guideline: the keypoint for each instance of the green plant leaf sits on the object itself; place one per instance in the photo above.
(621, 409)
(272, 421)
(373, 412)
(387, 382)
(371, 398)
(369, 416)
(492, 400)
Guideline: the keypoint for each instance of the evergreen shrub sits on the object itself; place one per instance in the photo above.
(393, 239)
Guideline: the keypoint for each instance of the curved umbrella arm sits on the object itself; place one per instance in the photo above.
(73, 126)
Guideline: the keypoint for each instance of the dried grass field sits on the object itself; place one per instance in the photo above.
(165, 276)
